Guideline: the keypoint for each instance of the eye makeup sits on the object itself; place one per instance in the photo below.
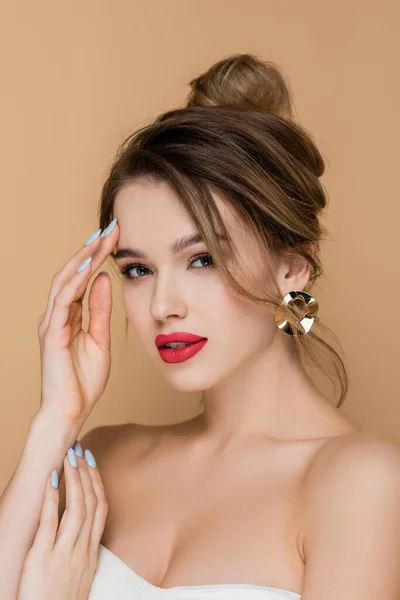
(127, 267)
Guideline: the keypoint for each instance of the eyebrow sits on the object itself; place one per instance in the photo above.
(177, 247)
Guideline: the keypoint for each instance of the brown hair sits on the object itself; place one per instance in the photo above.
(236, 137)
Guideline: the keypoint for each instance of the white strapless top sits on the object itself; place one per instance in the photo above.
(114, 580)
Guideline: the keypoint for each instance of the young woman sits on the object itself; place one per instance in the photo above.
(270, 492)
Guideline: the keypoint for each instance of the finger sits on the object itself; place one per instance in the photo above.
(82, 543)
(100, 307)
(47, 529)
(75, 511)
(63, 300)
(106, 247)
(100, 248)
(63, 275)
(100, 516)
(75, 318)
(64, 515)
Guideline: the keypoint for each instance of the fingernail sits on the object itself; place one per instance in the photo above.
(85, 263)
(93, 237)
(90, 459)
(54, 479)
(72, 458)
(109, 228)
(78, 449)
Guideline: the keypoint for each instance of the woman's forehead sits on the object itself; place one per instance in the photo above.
(151, 210)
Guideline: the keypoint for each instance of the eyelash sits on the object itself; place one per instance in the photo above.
(129, 266)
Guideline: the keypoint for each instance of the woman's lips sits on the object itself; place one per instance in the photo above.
(176, 355)
(177, 336)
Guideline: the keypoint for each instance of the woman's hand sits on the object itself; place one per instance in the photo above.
(63, 559)
(75, 364)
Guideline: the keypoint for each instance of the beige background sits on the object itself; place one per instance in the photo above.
(77, 77)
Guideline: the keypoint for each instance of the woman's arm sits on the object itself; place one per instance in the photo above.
(352, 521)
(21, 501)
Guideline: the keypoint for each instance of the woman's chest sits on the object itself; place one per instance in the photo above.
(181, 522)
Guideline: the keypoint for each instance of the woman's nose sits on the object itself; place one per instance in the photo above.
(168, 300)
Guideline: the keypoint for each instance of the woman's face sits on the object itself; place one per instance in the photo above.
(166, 293)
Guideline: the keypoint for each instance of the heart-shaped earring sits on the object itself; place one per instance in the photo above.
(306, 322)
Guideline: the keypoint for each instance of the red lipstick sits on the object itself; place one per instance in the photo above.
(175, 355)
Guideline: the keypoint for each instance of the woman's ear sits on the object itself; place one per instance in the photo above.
(293, 272)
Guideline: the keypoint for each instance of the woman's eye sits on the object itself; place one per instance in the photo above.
(200, 257)
(126, 270)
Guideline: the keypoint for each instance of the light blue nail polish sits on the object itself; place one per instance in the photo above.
(93, 237)
(109, 228)
(54, 479)
(85, 263)
(90, 459)
(78, 449)
(72, 458)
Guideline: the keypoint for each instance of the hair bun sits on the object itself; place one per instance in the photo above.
(242, 80)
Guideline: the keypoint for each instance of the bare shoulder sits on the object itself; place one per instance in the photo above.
(104, 436)
(360, 451)
(105, 441)
(354, 474)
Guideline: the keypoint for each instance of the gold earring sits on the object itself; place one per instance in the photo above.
(306, 322)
